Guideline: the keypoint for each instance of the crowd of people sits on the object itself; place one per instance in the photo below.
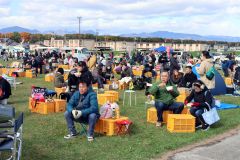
(99, 68)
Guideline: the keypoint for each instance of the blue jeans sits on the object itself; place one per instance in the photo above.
(91, 120)
(176, 107)
(197, 112)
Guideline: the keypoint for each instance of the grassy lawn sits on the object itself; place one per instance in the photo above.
(43, 134)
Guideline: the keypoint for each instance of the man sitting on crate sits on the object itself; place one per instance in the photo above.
(82, 108)
(165, 94)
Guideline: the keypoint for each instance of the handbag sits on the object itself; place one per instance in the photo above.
(211, 116)
(210, 73)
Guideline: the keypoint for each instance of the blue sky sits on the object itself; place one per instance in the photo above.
(204, 17)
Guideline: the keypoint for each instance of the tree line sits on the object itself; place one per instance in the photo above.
(33, 38)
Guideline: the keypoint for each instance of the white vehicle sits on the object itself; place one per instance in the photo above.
(48, 49)
(81, 53)
(180, 55)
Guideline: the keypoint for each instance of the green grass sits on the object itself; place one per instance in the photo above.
(43, 134)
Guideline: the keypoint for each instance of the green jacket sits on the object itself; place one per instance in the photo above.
(162, 95)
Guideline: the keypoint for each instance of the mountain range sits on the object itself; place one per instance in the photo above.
(157, 34)
(183, 36)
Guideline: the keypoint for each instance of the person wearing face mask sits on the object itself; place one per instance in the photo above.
(199, 99)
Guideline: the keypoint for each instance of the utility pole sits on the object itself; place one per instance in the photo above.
(79, 31)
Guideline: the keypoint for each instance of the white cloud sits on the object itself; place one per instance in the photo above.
(125, 16)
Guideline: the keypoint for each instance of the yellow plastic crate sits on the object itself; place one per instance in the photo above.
(65, 76)
(185, 110)
(108, 126)
(59, 90)
(49, 78)
(60, 105)
(181, 98)
(30, 74)
(104, 98)
(152, 115)
(21, 74)
(42, 107)
(64, 66)
(114, 93)
(181, 123)
(228, 81)
(137, 72)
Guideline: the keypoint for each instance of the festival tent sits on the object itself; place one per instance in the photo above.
(163, 49)
(220, 86)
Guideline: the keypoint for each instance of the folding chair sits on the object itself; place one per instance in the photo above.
(13, 140)
(7, 114)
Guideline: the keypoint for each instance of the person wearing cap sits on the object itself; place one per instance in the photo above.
(174, 64)
(165, 93)
(188, 78)
(206, 63)
(82, 108)
(199, 99)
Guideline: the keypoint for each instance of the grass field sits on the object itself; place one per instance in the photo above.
(43, 134)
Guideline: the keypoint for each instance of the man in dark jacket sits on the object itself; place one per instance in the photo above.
(5, 90)
(174, 64)
(82, 108)
(188, 78)
(163, 60)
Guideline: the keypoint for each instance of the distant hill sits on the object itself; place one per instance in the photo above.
(173, 35)
(17, 29)
(34, 31)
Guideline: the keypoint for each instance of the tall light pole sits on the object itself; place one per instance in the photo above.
(79, 31)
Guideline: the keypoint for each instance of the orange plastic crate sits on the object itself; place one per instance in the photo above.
(104, 98)
(49, 78)
(21, 74)
(60, 105)
(64, 66)
(185, 110)
(137, 72)
(59, 90)
(108, 126)
(65, 76)
(181, 123)
(181, 98)
(152, 115)
(42, 107)
(114, 93)
(30, 74)
(228, 81)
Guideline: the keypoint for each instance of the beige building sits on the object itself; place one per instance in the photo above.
(122, 45)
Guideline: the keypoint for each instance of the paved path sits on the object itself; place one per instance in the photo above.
(226, 149)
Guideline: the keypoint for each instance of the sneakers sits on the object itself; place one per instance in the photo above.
(70, 136)
(198, 126)
(90, 138)
(159, 124)
(205, 127)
